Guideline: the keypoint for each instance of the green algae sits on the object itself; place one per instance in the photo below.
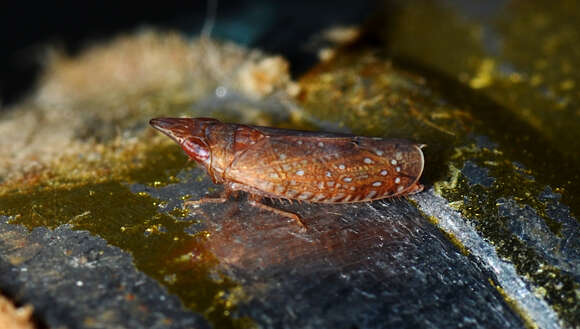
(539, 40)
(516, 72)
(132, 221)
(456, 242)
(528, 322)
(522, 57)
(479, 205)
(161, 165)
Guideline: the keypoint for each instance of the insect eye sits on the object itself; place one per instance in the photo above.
(196, 148)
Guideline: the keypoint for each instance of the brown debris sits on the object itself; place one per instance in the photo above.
(108, 93)
(12, 317)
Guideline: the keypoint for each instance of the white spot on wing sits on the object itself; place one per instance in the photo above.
(282, 156)
(300, 172)
(384, 172)
(371, 194)
(398, 169)
(337, 197)
(304, 195)
(393, 162)
(379, 152)
(367, 161)
(291, 193)
(397, 180)
(341, 166)
(320, 144)
(347, 179)
(318, 197)
(377, 184)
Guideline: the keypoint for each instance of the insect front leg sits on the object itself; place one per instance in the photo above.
(221, 199)
(254, 200)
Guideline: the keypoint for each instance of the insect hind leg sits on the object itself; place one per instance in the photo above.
(255, 202)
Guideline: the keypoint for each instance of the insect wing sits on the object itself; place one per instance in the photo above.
(328, 169)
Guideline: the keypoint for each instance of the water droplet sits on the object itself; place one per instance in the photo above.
(221, 91)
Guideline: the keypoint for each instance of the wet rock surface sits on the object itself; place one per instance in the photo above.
(76, 280)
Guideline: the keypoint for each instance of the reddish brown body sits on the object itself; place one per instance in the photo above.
(298, 165)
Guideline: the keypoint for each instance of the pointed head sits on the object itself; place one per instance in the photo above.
(189, 133)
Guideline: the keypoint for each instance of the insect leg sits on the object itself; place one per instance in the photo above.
(255, 201)
(196, 203)
(416, 188)
(221, 199)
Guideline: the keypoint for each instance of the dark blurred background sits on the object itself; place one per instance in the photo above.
(282, 27)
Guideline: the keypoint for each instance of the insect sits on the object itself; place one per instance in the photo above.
(297, 165)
